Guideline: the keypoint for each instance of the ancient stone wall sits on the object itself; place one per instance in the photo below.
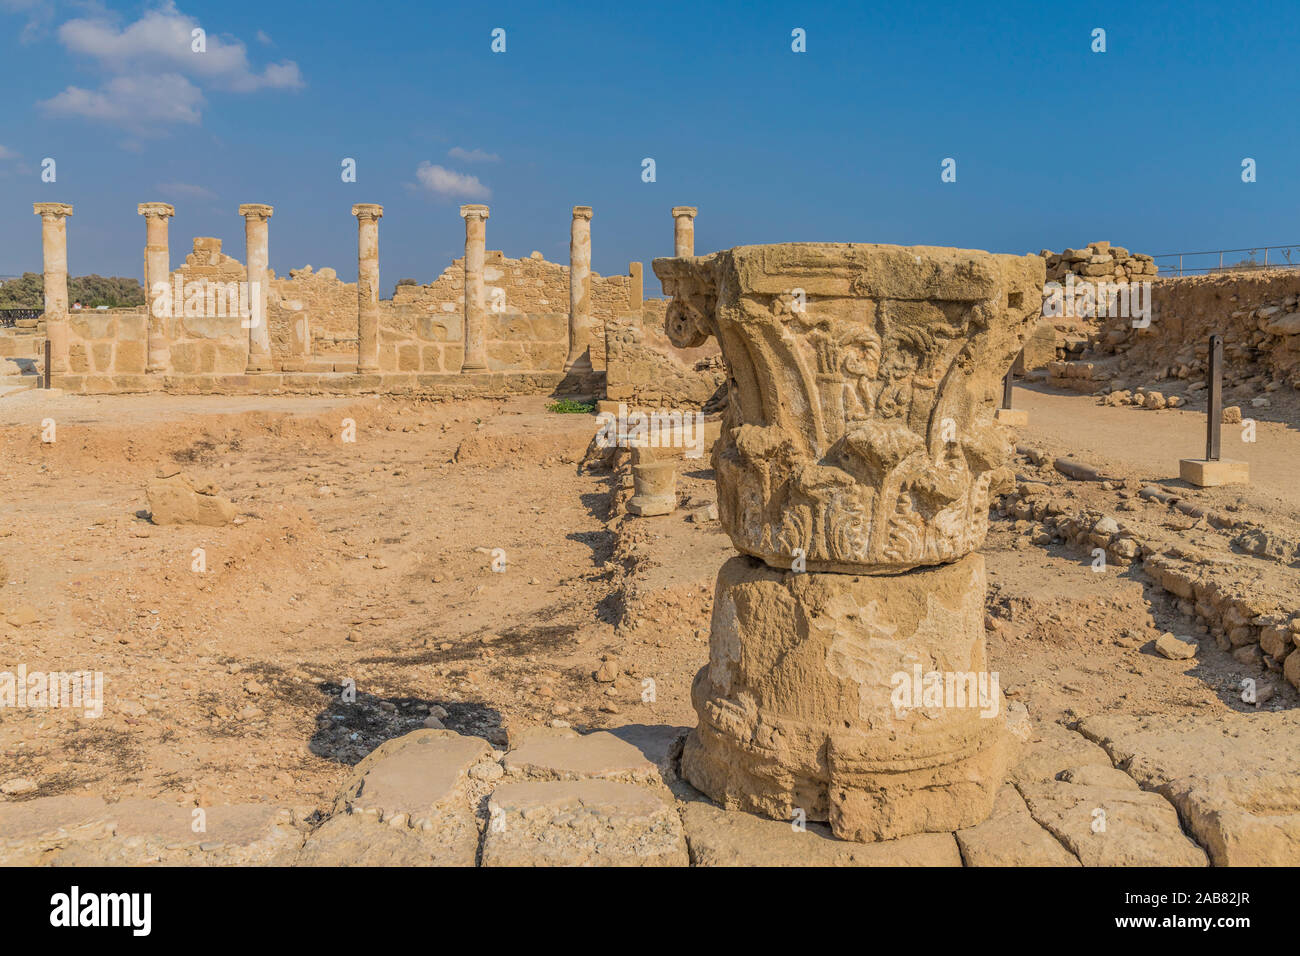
(531, 286)
(644, 369)
(107, 342)
(1257, 313)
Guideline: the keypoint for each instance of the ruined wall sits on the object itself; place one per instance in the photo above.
(645, 369)
(412, 339)
(329, 304)
(1257, 313)
(107, 342)
(531, 286)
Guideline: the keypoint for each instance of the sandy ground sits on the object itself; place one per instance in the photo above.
(370, 565)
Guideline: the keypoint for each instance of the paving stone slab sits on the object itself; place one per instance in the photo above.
(720, 837)
(1012, 837)
(582, 823)
(33, 831)
(361, 840)
(1112, 826)
(1235, 778)
(560, 754)
(1053, 748)
(413, 779)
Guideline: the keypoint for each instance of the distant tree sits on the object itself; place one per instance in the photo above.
(116, 292)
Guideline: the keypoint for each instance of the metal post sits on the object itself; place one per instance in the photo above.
(47, 360)
(1214, 414)
(1006, 390)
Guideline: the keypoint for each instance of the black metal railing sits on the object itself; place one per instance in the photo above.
(9, 317)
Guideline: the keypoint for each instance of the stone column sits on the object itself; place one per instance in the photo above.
(684, 230)
(368, 216)
(579, 359)
(475, 359)
(847, 674)
(258, 255)
(54, 247)
(157, 268)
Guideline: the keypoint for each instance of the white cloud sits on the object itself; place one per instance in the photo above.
(137, 102)
(472, 155)
(153, 75)
(448, 182)
(161, 41)
(38, 13)
(188, 190)
(7, 153)
(264, 38)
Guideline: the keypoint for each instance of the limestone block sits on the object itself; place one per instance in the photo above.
(1011, 837)
(1212, 474)
(352, 839)
(560, 754)
(807, 700)
(174, 499)
(718, 837)
(1112, 826)
(582, 823)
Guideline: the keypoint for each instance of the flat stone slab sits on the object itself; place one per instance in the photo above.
(1112, 826)
(360, 840)
(79, 831)
(32, 832)
(413, 779)
(1235, 778)
(1012, 837)
(1052, 749)
(718, 837)
(559, 754)
(582, 823)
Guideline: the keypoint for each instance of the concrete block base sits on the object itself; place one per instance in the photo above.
(1015, 417)
(1211, 474)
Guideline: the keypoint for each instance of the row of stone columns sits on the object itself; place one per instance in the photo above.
(157, 268)
(580, 321)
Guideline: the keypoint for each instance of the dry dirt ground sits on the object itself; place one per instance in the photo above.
(370, 564)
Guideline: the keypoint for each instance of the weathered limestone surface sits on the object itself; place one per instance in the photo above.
(1011, 837)
(718, 837)
(561, 754)
(1234, 778)
(796, 708)
(859, 443)
(863, 384)
(1112, 825)
(582, 823)
(175, 499)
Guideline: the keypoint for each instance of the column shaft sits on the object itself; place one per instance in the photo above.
(579, 291)
(256, 232)
(157, 269)
(475, 359)
(368, 216)
(54, 248)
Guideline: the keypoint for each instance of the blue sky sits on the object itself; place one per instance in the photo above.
(1055, 145)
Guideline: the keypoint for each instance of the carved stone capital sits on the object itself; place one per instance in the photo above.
(688, 211)
(52, 210)
(256, 210)
(582, 212)
(474, 211)
(860, 433)
(368, 210)
(160, 210)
